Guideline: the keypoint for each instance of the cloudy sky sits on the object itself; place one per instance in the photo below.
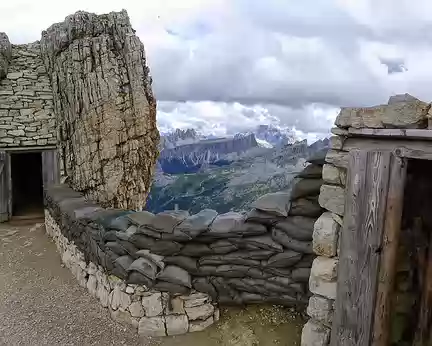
(224, 66)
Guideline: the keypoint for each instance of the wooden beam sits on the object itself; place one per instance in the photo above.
(411, 153)
(392, 133)
(390, 244)
(361, 240)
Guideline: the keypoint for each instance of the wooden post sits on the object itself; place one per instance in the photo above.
(390, 245)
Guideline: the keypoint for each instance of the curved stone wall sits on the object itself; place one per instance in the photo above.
(152, 313)
(263, 255)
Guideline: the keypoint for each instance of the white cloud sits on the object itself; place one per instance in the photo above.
(228, 65)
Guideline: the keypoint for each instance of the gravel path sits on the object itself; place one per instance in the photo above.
(41, 304)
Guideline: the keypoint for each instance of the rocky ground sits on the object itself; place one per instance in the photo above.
(41, 304)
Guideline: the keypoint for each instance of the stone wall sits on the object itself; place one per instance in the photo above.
(401, 112)
(26, 101)
(106, 112)
(260, 256)
(150, 312)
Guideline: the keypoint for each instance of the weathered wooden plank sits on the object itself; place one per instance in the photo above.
(361, 241)
(392, 133)
(4, 188)
(50, 167)
(390, 244)
(412, 153)
(386, 145)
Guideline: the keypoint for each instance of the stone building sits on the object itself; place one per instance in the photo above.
(27, 129)
(76, 103)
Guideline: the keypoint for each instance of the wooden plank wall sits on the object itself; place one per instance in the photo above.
(390, 246)
(361, 242)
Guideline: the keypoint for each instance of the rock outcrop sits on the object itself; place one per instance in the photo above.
(104, 106)
(5, 54)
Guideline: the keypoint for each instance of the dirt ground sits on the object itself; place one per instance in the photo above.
(42, 304)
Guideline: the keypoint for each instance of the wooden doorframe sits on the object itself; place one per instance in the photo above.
(367, 267)
(50, 171)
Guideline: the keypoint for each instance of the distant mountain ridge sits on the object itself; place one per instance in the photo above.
(190, 157)
(187, 151)
(233, 180)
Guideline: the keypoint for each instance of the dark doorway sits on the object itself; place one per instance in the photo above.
(412, 315)
(27, 186)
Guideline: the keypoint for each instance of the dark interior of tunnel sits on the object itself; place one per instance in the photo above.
(27, 187)
(411, 315)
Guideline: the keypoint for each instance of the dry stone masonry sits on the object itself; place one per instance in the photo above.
(26, 101)
(264, 255)
(85, 88)
(106, 112)
(150, 312)
(401, 112)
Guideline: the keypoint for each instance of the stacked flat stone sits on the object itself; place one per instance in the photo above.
(401, 112)
(150, 312)
(264, 255)
(26, 101)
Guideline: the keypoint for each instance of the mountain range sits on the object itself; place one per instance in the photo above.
(195, 172)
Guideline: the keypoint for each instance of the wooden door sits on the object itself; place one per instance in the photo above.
(373, 213)
(50, 167)
(5, 187)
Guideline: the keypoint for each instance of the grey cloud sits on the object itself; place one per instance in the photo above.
(291, 55)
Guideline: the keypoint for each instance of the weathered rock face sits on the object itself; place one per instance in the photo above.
(105, 109)
(26, 105)
(402, 111)
(5, 54)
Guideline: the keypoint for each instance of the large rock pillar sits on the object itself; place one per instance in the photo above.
(105, 109)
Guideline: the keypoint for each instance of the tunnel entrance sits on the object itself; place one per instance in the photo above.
(27, 184)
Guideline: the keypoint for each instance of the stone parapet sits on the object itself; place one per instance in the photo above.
(150, 312)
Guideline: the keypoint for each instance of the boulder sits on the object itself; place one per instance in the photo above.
(277, 203)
